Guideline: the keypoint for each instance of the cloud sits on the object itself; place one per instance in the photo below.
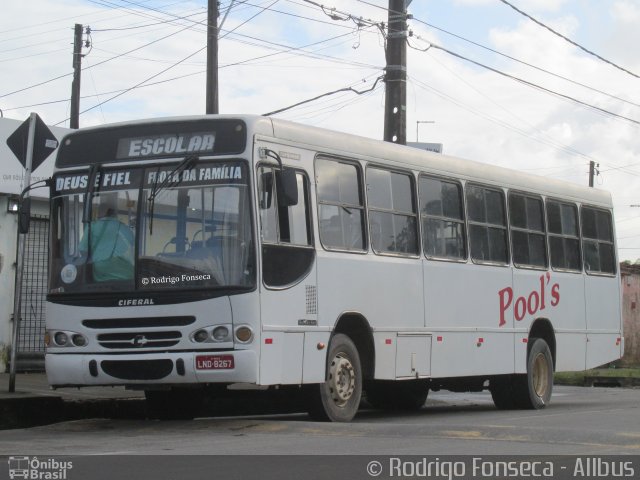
(478, 114)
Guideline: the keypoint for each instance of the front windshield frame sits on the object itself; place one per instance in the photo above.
(71, 271)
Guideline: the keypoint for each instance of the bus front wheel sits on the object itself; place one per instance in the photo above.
(338, 398)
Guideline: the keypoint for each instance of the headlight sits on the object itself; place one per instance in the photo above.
(212, 334)
(201, 336)
(65, 339)
(220, 334)
(61, 339)
(78, 340)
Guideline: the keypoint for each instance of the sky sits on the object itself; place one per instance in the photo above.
(147, 59)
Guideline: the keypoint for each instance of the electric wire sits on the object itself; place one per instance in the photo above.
(534, 85)
(345, 89)
(538, 22)
(515, 59)
(96, 64)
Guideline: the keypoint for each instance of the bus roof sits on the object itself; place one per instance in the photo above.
(436, 163)
(400, 156)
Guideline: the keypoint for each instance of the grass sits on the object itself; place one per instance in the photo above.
(577, 378)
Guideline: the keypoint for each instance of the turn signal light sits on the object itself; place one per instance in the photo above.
(244, 334)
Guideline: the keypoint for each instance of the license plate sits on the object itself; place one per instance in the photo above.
(214, 362)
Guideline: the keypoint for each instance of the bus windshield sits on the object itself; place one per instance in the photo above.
(153, 228)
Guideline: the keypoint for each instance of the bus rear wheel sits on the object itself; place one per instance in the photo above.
(529, 391)
(338, 398)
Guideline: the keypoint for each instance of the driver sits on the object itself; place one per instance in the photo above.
(112, 244)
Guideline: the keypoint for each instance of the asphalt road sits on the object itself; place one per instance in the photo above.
(581, 421)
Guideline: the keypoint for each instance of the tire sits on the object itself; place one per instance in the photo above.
(174, 404)
(407, 395)
(338, 398)
(502, 392)
(532, 390)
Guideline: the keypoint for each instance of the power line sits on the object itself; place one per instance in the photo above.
(515, 59)
(99, 63)
(522, 62)
(164, 22)
(345, 89)
(138, 84)
(531, 84)
(569, 40)
(294, 50)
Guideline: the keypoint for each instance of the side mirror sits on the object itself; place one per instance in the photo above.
(24, 215)
(287, 185)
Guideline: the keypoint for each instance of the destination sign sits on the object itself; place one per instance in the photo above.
(162, 145)
(108, 180)
(146, 141)
(202, 173)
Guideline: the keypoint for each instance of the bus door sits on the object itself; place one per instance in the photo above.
(288, 291)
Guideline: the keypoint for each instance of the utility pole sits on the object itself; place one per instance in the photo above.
(212, 58)
(74, 120)
(395, 101)
(593, 171)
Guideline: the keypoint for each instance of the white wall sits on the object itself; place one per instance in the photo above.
(8, 238)
(11, 184)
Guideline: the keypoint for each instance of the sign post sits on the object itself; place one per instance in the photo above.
(32, 136)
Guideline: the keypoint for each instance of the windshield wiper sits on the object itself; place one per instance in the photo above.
(94, 171)
(168, 182)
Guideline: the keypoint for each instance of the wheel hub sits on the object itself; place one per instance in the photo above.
(540, 377)
(342, 379)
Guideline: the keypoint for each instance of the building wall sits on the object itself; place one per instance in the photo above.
(8, 239)
(12, 182)
(631, 314)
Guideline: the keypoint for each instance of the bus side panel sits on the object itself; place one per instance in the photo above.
(386, 291)
(558, 298)
(571, 350)
(568, 318)
(604, 324)
(284, 314)
(462, 308)
(315, 357)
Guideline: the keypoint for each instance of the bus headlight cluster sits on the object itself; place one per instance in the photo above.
(212, 334)
(64, 339)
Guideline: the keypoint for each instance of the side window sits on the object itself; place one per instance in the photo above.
(597, 241)
(487, 225)
(289, 224)
(527, 231)
(564, 238)
(340, 205)
(442, 216)
(285, 226)
(393, 221)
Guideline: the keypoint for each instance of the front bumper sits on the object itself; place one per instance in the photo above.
(66, 370)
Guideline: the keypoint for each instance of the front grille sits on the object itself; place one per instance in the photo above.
(137, 369)
(139, 339)
(140, 322)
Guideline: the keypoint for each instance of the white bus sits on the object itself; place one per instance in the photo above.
(202, 252)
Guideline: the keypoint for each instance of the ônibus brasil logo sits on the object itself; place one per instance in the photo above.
(38, 469)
